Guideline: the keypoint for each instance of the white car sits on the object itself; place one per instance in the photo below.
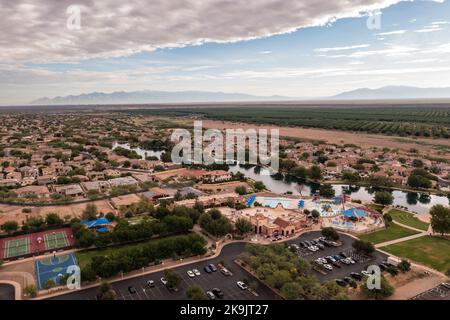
(242, 285)
(164, 281)
(196, 272)
(328, 267)
(351, 260)
(366, 273)
(190, 274)
(322, 260)
(319, 261)
(346, 261)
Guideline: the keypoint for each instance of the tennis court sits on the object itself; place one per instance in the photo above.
(56, 240)
(35, 243)
(17, 247)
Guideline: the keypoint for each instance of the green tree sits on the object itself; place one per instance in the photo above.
(10, 226)
(299, 172)
(106, 292)
(327, 191)
(386, 290)
(243, 226)
(330, 233)
(195, 292)
(315, 173)
(173, 278)
(384, 198)
(241, 190)
(440, 219)
(50, 283)
(53, 219)
(90, 212)
(30, 291)
(363, 247)
(404, 265)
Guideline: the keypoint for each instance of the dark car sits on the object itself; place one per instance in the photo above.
(337, 265)
(341, 282)
(212, 267)
(207, 269)
(348, 279)
(343, 254)
(383, 266)
(356, 276)
(217, 292)
(131, 290)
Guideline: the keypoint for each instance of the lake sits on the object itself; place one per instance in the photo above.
(415, 202)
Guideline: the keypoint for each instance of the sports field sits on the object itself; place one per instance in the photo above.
(35, 243)
(17, 247)
(54, 268)
(56, 240)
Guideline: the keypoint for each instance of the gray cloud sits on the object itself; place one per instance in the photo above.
(35, 30)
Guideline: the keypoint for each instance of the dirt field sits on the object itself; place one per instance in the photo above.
(14, 213)
(425, 146)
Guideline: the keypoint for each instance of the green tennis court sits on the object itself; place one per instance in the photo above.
(56, 240)
(17, 247)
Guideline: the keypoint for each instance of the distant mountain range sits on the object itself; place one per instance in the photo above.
(148, 96)
(394, 92)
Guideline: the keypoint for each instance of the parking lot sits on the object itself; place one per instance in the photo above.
(207, 281)
(7, 292)
(343, 270)
(441, 292)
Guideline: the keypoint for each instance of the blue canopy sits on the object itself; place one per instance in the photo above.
(354, 213)
(95, 223)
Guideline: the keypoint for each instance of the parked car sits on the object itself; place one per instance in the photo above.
(225, 271)
(242, 285)
(343, 254)
(328, 267)
(366, 273)
(150, 283)
(210, 295)
(131, 290)
(356, 276)
(196, 272)
(337, 265)
(190, 274)
(323, 260)
(212, 267)
(341, 282)
(217, 292)
(320, 246)
(347, 279)
(330, 259)
(207, 269)
(164, 281)
(303, 244)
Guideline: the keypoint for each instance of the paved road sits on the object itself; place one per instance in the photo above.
(226, 284)
(7, 292)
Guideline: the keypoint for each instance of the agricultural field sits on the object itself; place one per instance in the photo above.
(403, 121)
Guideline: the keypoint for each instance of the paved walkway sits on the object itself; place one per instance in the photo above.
(415, 236)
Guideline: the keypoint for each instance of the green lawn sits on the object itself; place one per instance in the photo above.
(408, 219)
(391, 233)
(431, 251)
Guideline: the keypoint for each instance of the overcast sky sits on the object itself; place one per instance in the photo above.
(297, 48)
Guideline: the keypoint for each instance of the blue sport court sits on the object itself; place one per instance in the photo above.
(53, 268)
